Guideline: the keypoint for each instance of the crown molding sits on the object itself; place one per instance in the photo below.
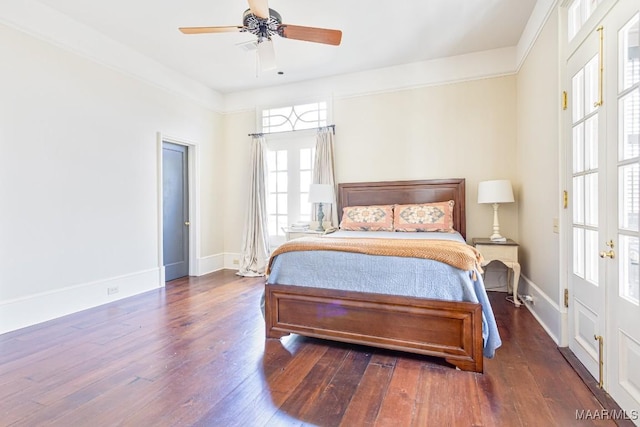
(47, 24)
(44, 23)
(539, 16)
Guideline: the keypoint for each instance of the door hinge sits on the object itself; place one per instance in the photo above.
(565, 101)
(566, 297)
(565, 199)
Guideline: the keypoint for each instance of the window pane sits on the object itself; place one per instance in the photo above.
(578, 95)
(578, 148)
(577, 15)
(578, 252)
(272, 205)
(282, 223)
(629, 268)
(591, 143)
(591, 79)
(295, 117)
(272, 182)
(281, 181)
(578, 200)
(305, 158)
(271, 160)
(573, 18)
(592, 256)
(273, 225)
(282, 160)
(629, 117)
(629, 54)
(282, 203)
(591, 199)
(305, 181)
(305, 206)
(629, 196)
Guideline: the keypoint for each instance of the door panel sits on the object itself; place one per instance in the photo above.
(175, 211)
(587, 306)
(623, 353)
(604, 240)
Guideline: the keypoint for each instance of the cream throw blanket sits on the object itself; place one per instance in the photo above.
(456, 254)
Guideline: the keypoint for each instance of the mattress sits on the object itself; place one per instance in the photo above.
(391, 275)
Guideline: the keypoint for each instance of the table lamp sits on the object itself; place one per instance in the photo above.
(320, 193)
(495, 192)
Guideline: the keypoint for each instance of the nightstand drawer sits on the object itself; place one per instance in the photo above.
(294, 234)
(496, 251)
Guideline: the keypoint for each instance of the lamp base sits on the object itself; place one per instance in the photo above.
(496, 237)
(320, 218)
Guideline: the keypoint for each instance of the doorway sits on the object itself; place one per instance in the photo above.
(602, 129)
(175, 210)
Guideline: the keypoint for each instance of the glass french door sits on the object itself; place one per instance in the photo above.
(622, 369)
(604, 241)
(588, 215)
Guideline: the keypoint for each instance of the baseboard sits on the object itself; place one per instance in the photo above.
(226, 261)
(210, 264)
(30, 310)
(232, 261)
(546, 311)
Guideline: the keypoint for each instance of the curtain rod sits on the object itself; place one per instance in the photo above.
(332, 127)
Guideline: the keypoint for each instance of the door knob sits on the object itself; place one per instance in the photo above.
(607, 254)
(187, 223)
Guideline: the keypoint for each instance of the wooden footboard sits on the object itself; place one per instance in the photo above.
(452, 330)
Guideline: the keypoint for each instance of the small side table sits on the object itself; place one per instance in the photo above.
(506, 253)
(292, 233)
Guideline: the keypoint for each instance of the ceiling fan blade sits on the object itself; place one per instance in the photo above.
(266, 55)
(311, 34)
(259, 8)
(206, 30)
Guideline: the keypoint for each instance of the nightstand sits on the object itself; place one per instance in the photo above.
(506, 253)
(290, 233)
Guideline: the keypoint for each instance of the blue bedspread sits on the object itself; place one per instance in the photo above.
(388, 275)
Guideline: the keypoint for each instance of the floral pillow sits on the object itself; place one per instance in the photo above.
(424, 217)
(367, 218)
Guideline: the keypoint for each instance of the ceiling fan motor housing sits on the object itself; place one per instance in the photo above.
(262, 28)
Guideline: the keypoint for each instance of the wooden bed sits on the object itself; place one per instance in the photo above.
(448, 329)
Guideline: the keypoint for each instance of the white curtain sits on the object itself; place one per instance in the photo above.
(324, 173)
(255, 238)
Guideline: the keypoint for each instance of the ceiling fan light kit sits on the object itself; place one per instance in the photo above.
(265, 23)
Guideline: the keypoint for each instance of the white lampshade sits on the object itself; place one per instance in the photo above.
(497, 191)
(321, 193)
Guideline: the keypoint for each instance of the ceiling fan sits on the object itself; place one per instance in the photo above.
(265, 23)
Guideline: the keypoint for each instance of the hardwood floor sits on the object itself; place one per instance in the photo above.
(194, 353)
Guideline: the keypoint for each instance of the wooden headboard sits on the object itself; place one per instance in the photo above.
(406, 192)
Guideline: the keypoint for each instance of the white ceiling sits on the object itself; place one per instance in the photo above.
(376, 34)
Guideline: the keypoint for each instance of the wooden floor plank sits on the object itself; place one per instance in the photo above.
(399, 404)
(194, 353)
(329, 407)
(365, 404)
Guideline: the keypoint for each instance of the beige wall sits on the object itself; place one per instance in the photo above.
(79, 173)
(462, 130)
(537, 159)
(237, 126)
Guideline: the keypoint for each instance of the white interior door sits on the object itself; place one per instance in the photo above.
(622, 367)
(604, 274)
(588, 216)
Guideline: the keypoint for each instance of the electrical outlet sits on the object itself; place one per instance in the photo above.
(236, 262)
(113, 290)
(527, 298)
